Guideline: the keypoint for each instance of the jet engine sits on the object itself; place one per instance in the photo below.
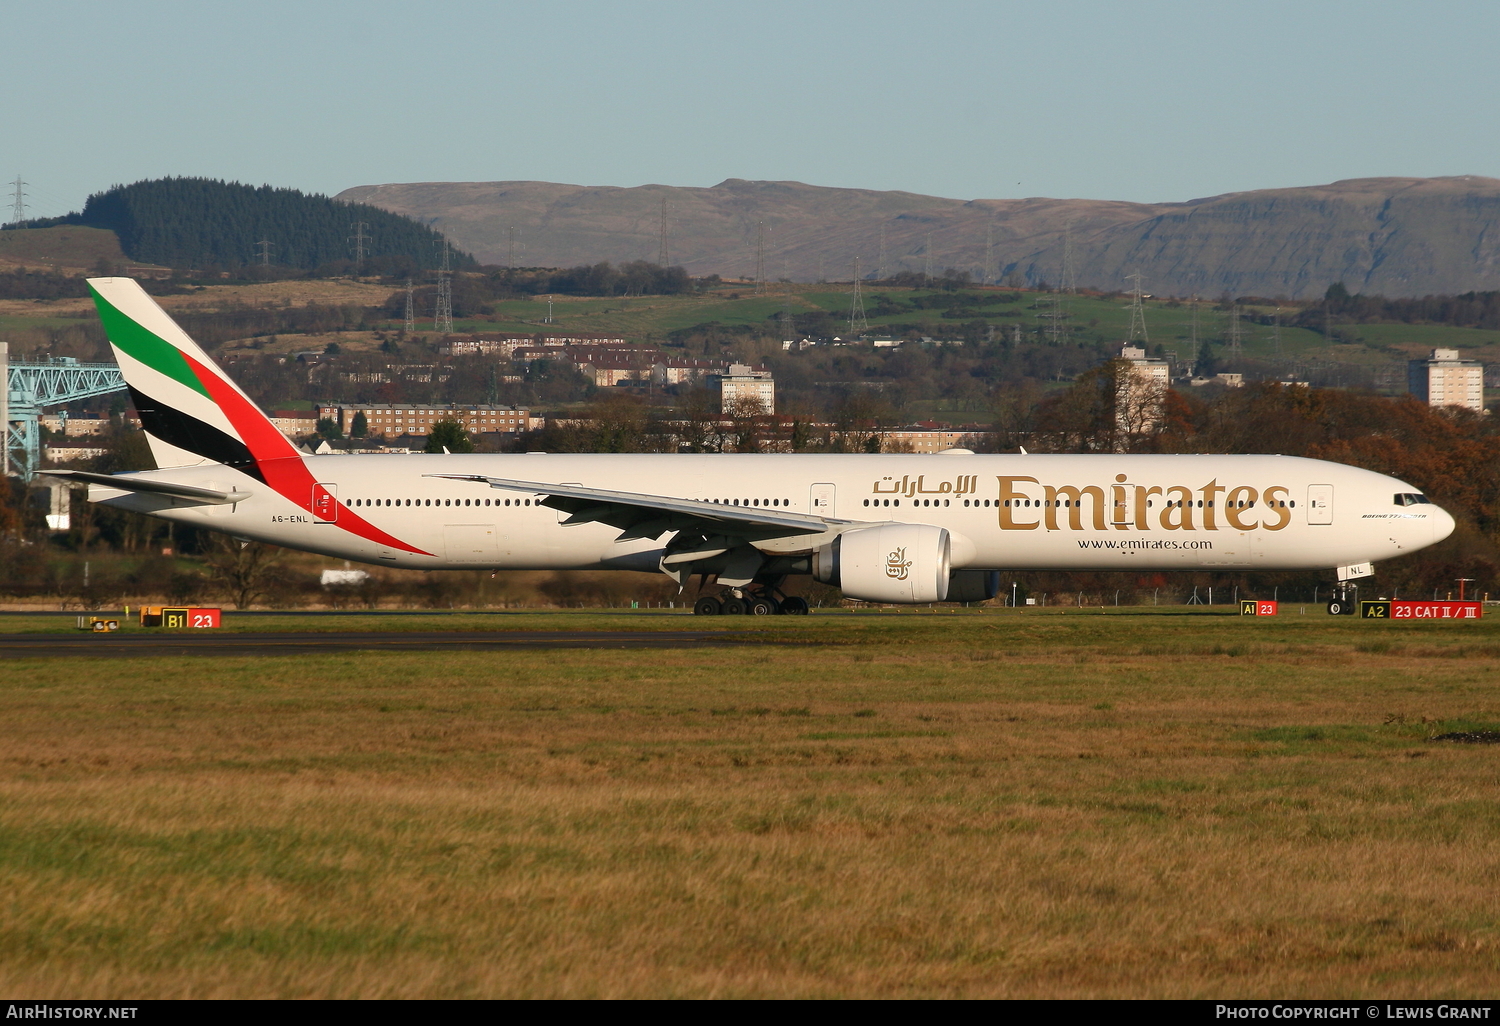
(889, 563)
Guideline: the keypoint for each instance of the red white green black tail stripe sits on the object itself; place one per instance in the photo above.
(193, 414)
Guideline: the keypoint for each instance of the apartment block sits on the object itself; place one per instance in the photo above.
(1446, 380)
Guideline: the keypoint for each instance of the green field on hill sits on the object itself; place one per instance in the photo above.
(987, 804)
(1090, 318)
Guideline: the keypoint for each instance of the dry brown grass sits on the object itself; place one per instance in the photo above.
(329, 292)
(1083, 806)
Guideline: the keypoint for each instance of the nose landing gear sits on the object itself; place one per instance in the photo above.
(762, 601)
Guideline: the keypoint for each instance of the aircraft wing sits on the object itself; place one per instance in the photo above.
(640, 515)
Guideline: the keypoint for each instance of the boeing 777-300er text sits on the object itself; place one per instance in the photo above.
(888, 529)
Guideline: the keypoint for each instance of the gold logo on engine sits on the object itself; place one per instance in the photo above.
(897, 565)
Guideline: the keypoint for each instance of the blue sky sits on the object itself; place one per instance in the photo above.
(1151, 100)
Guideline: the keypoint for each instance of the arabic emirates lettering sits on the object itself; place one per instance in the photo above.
(897, 565)
(964, 484)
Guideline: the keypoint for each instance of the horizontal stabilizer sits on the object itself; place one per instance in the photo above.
(144, 484)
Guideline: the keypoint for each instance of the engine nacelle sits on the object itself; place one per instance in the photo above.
(889, 563)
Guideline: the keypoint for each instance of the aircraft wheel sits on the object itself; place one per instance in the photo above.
(707, 606)
(1337, 608)
(795, 606)
(734, 606)
(762, 607)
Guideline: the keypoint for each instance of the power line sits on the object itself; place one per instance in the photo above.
(360, 240)
(510, 261)
(663, 254)
(880, 264)
(443, 318)
(18, 202)
(927, 272)
(989, 255)
(410, 308)
(858, 322)
(1069, 281)
(1137, 310)
(263, 254)
(760, 256)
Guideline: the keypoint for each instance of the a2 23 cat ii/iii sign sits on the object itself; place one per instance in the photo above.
(1405, 609)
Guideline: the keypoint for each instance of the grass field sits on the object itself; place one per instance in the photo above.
(914, 804)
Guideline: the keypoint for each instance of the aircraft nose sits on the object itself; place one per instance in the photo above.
(1442, 524)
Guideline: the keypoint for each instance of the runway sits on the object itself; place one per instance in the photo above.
(14, 646)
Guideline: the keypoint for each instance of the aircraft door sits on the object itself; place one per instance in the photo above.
(325, 503)
(821, 501)
(1320, 504)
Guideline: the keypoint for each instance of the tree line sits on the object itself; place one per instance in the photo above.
(1468, 310)
(202, 222)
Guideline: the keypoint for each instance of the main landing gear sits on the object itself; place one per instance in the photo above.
(742, 601)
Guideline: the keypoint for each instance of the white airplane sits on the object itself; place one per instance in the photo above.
(890, 529)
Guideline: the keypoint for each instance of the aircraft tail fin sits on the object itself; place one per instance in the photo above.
(191, 411)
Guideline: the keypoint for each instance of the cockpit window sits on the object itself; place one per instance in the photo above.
(1412, 499)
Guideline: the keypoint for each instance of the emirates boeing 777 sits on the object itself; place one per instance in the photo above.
(888, 529)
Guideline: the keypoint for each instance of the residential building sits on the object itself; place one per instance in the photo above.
(295, 423)
(743, 382)
(69, 453)
(482, 345)
(922, 438)
(607, 370)
(1141, 393)
(1446, 380)
(681, 372)
(389, 420)
(63, 424)
(507, 343)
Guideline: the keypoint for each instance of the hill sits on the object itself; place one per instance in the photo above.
(63, 248)
(1392, 236)
(203, 223)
